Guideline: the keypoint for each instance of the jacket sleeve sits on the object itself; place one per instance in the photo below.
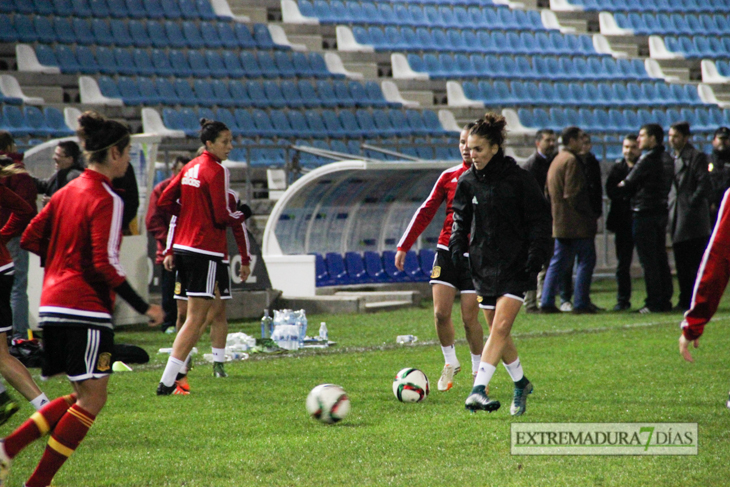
(459, 241)
(614, 177)
(168, 200)
(538, 221)
(106, 234)
(240, 233)
(712, 277)
(423, 216)
(42, 185)
(575, 183)
(156, 220)
(37, 235)
(223, 216)
(642, 169)
(21, 214)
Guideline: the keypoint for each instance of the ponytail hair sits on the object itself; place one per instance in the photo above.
(492, 127)
(98, 134)
(11, 170)
(211, 129)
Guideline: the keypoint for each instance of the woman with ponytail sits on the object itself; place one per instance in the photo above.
(77, 236)
(502, 221)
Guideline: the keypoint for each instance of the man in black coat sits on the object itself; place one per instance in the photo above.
(689, 210)
(67, 158)
(719, 169)
(648, 185)
(537, 165)
(619, 220)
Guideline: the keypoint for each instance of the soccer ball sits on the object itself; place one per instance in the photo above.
(410, 385)
(328, 403)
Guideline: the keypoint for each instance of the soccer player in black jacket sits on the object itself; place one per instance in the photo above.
(502, 220)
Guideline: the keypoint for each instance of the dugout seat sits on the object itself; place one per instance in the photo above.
(374, 267)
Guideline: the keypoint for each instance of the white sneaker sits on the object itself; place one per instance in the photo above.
(4, 464)
(446, 381)
(566, 306)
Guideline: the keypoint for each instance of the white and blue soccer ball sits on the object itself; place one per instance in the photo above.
(328, 403)
(410, 385)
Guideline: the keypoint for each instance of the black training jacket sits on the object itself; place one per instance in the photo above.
(502, 218)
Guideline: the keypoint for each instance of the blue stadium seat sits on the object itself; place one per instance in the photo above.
(126, 65)
(81, 8)
(86, 59)
(63, 8)
(257, 94)
(102, 32)
(384, 127)
(352, 125)
(56, 122)
(239, 94)
(118, 9)
(105, 60)
(192, 36)
(301, 65)
(263, 38)
(36, 122)
(128, 90)
(171, 9)
(224, 115)
(309, 97)
(389, 266)
(43, 28)
(120, 34)
(356, 268)
(204, 93)
(432, 123)
(99, 8)
(158, 37)
(245, 122)
(180, 63)
(322, 275)
(332, 124)
(138, 32)
(15, 121)
(374, 267)
(284, 65)
(412, 268)
(160, 64)
(319, 67)
(9, 33)
(274, 96)
(82, 31)
(314, 123)
(174, 35)
(148, 91)
(232, 64)
(185, 92)
(216, 66)
(243, 34)
(263, 123)
(340, 91)
(281, 124)
(225, 33)
(336, 268)
(267, 65)
(198, 64)
(206, 12)
(426, 259)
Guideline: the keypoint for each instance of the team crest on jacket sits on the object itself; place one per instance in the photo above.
(436, 272)
(178, 288)
(191, 177)
(479, 299)
(105, 362)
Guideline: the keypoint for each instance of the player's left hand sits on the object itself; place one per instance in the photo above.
(684, 347)
(155, 314)
(245, 272)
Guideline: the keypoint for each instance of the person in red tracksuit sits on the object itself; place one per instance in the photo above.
(10, 367)
(77, 236)
(445, 279)
(157, 223)
(217, 315)
(199, 242)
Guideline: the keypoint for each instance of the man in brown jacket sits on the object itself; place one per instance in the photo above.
(574, 225)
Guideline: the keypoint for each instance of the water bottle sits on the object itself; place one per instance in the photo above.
(403, 339)
(302, 327)
(323, 332)
(266, 325)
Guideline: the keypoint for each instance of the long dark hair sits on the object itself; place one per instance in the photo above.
(98, 134)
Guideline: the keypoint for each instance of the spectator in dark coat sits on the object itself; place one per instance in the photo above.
(67, 157)
(157, 223)
(648, 185)
(24, 186)
(619, 220)
(126, 187)
(719, 169)
(689, 210)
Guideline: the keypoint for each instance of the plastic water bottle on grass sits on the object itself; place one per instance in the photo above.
(323, 334)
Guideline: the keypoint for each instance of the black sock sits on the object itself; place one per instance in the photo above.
(522, 383)
(180, 376)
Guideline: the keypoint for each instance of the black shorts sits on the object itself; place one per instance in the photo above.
(490, 302)
(200, 277)
(80, 352)
(6, 312)
(445, 273)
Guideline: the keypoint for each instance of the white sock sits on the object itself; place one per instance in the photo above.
(484, 375)
(219, 354)
(514, 370)
(186, 365)
(450, 355)
(171, 369)
(40, 401)
(475, 361)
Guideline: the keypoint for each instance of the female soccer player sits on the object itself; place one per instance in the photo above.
(77, 235)
(199, 241)
(11, 369)
(502, 220)
(445, 279)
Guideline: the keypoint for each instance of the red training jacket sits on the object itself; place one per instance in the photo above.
(20, 184)
(202, 191)
(712, 276)
(78, 234)
(444, 189)
(20, 214)
(157, 221)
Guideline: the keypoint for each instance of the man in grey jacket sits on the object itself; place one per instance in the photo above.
(689, 213)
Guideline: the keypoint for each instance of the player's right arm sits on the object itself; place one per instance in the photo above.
(168, 201)
(38, 232)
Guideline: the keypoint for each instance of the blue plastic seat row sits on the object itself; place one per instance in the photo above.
(693, 6)
(474, 41)
(674, 24)
(617, 95)
(235, 93)
(311, 124)
(623, 121)
(152, 9)
(175, 62)
(454, 3)
(524, 67)
(334, 269)
(699, 47)
(117, 32)
(413, 14)
(31, 121)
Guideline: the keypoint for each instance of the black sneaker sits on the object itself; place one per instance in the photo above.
(621, 307)
(175, 389)
(546, 310)
(8, 407)
(479, 401)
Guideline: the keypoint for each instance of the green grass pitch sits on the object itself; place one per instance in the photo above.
(252, 428)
